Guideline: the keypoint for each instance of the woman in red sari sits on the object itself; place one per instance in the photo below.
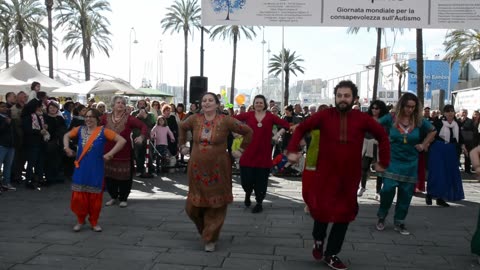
(119, 170)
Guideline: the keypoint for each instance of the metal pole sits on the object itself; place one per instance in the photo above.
(130, 52)
(268, 64)
(201, 52)
(263, 59)
(283, 68)
(449, 80)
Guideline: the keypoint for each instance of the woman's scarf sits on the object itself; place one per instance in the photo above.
(445, 131)
(37, 121)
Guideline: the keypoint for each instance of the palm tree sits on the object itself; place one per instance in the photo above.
(401, 70)
(24, 13)
(380, 31)
(49, 5)
(354, 30)
(234, 32)
(289, 63)
(6, 24)
(86, 27)
(420, 73)
(183, 15)
(37, 34)
(462, 45)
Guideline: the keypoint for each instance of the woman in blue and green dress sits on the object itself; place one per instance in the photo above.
(404, 127)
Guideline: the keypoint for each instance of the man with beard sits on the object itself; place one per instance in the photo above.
(330, 191)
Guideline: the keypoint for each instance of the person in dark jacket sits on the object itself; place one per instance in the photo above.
(34, 140)
(56, 128)
(7, 150)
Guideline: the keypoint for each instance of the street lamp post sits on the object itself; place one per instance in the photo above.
(268, 64)
(159, 64)
(135, 41)
(263, 59)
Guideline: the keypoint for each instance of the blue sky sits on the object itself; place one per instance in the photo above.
(328, 51)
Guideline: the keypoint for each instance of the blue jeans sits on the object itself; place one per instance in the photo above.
(6, 158)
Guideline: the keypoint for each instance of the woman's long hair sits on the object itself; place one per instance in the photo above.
(417, 115)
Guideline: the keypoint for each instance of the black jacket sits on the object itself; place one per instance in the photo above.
(6, 132)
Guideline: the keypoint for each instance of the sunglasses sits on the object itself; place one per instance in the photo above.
(375, 108)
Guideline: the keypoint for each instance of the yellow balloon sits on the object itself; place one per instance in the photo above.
(240, 99)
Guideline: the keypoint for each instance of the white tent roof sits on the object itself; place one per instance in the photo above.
(98, 87)
(20, 77)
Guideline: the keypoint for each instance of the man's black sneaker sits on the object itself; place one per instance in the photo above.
(317, 250)
(335, 263)
(257, 209)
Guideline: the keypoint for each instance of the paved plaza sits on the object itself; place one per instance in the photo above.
(153, 232)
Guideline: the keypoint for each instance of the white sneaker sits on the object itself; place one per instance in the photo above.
(360, 192)
(77, 227)
(210, 247)
(111, 202)
(97, 228)
(123, 204)
(377, 197)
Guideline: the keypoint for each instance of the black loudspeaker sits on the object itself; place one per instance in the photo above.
(198, 87)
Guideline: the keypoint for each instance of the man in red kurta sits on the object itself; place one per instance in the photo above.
(331, 190)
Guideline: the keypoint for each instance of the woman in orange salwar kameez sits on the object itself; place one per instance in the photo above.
(87, 183)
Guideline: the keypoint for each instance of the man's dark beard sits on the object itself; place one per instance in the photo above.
(346, 109)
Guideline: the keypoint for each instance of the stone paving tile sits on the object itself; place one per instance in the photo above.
(107, 264)
(40, 237)
(190, 258)
(248, 263)
(70, 250)
(257, 256)
(137, 253)
(62, 261)
(164, 266)
(299, 265)
(31, 267)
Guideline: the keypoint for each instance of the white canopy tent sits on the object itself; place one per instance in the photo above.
(20, 77)
(97, 87)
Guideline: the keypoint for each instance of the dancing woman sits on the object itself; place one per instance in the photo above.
(87, 183)
(404, 128)
(210, 168)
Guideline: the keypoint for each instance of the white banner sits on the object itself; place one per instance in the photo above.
(453, 14)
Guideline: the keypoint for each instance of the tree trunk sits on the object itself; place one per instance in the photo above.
(234, 63)
(228, 10)
(87, 45)
(420, 75)
(49, 4)
(377, 63)
(286, 94)
(35, 49)
(6, 56)
(185, 68)
(399, 86)
(20, 49)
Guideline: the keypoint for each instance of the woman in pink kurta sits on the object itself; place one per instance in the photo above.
(210, 167)
(256, 161)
